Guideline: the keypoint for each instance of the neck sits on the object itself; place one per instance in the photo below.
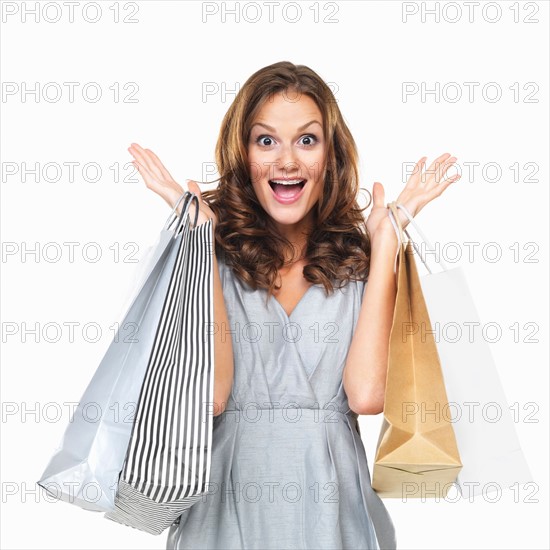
(297, 234)
(298, 242)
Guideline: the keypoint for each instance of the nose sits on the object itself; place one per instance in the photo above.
(287, 162)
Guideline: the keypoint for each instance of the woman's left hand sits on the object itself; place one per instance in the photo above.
(421, 188)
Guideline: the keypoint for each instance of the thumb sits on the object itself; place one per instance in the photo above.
(378, 195)
(194, 188)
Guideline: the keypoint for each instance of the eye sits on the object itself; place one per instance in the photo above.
(312, 140)
(260, 140)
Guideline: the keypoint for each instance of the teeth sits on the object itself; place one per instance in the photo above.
(290, 182)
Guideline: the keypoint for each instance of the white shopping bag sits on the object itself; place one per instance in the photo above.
(85, 468)
(490, 451)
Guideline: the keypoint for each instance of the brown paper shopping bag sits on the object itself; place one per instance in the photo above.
(417, 454)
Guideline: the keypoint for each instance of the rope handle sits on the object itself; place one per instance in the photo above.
(188, 196)
(396, 222)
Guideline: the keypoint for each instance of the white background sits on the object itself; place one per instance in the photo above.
(170, 53)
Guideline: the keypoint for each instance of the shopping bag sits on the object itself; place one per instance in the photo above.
(417, 454)
(487, 440)
(167, 466)
(85, 467)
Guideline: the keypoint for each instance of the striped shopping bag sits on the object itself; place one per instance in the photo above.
(167, 464)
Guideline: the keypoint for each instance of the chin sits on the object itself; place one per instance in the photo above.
(288, 217)
(287, 220)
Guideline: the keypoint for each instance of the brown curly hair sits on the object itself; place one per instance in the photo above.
(338, 248)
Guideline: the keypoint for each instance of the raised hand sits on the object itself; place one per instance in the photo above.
(421, 188)
(158, 179)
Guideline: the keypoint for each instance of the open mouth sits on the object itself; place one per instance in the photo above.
(287, 189)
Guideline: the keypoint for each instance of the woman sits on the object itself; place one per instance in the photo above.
(292, 374)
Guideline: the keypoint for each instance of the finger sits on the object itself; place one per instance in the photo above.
(138, 154)
(435, 176)
(134, 147)
(160, 166)
(146, 159)
(417, 174)
(421, 163)
(194, 188)
(153, 167)
(149, 180)
(438, 189)
(446, 166)
(450, 180)
(378, 195)
(137, 150)
(135, 153)
(443, 168)
(435, 164)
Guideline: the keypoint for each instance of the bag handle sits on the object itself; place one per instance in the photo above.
(188, 196)
(392, 213)
(396, 222)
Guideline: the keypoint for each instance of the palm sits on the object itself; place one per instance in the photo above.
(158, 179)
(421, 188)
(376, 217)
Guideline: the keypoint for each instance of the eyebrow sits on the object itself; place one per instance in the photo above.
(271, 129)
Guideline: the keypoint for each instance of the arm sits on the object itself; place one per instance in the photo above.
(364, 375)
(223, 347)
(158, 179)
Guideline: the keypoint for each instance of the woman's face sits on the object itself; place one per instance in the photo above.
(286, 154)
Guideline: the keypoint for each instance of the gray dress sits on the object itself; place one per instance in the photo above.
(289, 469)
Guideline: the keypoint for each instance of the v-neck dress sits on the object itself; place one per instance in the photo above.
(289, 469)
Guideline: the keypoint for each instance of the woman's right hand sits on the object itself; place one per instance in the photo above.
(158, 179)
